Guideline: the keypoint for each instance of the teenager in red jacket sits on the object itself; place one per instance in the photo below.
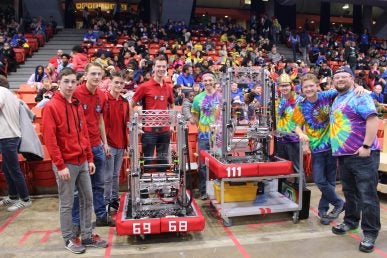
(92, 100)
(66, 137)
(116, 117)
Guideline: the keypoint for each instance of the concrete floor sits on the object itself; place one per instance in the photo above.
(34, 232)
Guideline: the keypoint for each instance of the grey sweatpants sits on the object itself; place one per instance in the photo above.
(79, 176)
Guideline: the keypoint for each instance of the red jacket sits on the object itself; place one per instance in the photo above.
(65, 132)
(93, 105)
(116, 117)
(79, 62)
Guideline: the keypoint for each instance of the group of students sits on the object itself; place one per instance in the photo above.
(85, 131)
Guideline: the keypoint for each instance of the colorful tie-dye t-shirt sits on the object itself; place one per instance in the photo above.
(208, 108)
(348, 123)
(284, 116)
(315, 118)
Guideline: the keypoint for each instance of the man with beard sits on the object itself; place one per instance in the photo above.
(354, 125)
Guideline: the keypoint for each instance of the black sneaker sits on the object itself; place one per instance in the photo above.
(105, 221)
(334, 214)
(324, 219)
(74, 246)
(113, 207)
(367, 244)
(95, 241)
(343, 228)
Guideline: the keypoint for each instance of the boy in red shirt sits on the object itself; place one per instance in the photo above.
(92, 100)
(155, 94)
(116, 117)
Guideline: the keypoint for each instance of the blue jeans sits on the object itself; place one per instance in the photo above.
(359, 178)
(160, 141)
(112, 172)
(17, 187)
(324, 176)
(97, 183)
(291, 151)
(202, 145)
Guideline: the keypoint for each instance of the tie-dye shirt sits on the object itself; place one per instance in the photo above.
(209, 110)
(315, 117)
(284, 116)
(348, 123)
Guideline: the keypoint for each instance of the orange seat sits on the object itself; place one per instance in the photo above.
(29, 99)
(26, 89)
(38, 114)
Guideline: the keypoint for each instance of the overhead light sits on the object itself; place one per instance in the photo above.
(346, 6)
(265, 0)
(225, 16)
(333, 23)
(373, 22)
(312, 22)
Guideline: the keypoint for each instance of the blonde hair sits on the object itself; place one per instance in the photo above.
(309, 77)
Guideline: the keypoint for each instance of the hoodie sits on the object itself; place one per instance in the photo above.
(79, 62)
(65, 132)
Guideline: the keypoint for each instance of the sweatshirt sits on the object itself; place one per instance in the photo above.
(65, 132)
(116, 117)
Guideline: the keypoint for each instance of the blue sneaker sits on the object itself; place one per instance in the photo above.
(367, 244)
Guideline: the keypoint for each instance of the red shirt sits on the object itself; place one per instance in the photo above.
(65, 132)
(92, 105)
(154, 97)
(116, 117)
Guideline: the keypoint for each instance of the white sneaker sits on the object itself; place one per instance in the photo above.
(19, 205)
(8, 202)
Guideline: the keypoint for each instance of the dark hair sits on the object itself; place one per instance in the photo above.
(66, 55)
(186, 67)
(39, 77)
(78, 49)
(65, 72)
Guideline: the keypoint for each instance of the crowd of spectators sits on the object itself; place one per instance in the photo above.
(129, 45)
(12, 35)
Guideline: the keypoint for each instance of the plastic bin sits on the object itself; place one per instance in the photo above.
(236, 192)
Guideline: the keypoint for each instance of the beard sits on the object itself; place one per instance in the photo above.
(341, 88)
